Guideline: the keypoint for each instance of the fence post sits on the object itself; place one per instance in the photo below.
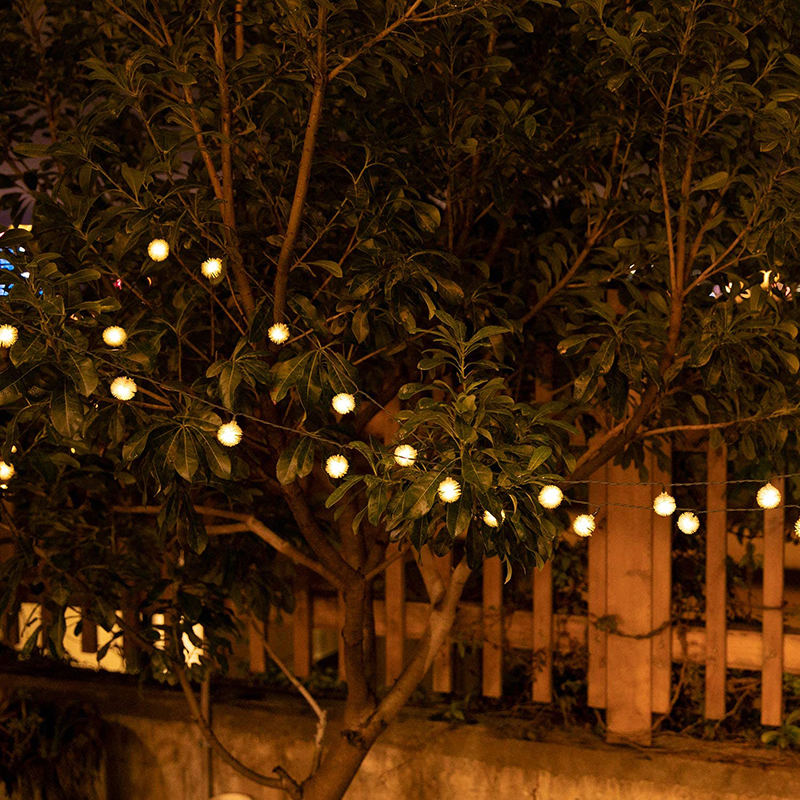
(630, 554)
(772, 625)
(443, 660)
(301, 624)
(341, 615)
(395, 615)
(661, 643)
(492, 627)
(716, 582)
(598, 589)
(542, 619)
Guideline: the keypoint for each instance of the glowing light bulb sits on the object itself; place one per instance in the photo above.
(491, 520)
(115, 336)
(405, 455)
(797, 528)
(13, 448)
(278, 333)
(7, 471)
(768, 496)
(551, 496)
(688, 523)
(337, 466)
(584, 525)
(123, 388)
(8, 335)
(449, 490)
(229, 434)
(73, 450)
(343, 403)
(158, 249)
(664, 505)
(211, 268)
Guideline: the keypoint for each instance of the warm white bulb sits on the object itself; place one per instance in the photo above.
(584, 525)
(551, 496)
(491, 520)
(343, 403)
(123, 388)
(688, 522)
(13, 448)
(158, 249)
(405, 455)
(229, 434)
(278, 333)
(337, 466)
(6, 471)
(8, 335)
(449, 490)
(664, 505)
(211, 268)
(115, 336)
(797, 528)
(768, 496)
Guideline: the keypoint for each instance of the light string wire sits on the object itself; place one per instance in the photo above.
(339, 445)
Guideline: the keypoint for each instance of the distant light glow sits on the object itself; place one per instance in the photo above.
(405, 455)
(337, 466)
(211, 268)
(664, 505)
(768, 496)
(229, 434)
(343, 403)
(158, 249)
(7, 471)
(449, 490)
(114, 336)
(278, 333)
(551, 496)
(8, 335)
(688, 523)
(124, 388)
(584, 525)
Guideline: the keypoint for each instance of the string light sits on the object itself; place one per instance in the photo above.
(584, 525)
(664, 505)
(13, 448)
(343, 403)
(688, 523)
(551, 496)
(115, 336)
(491, 520)
(158, 249)
(797, 528)
(8, 335)
(768, 496)
(337, 466)
(278, 333)
(229, 434)
(211, 268)
(449, 490)
(405, 455)
(123, 388)
(7, 471)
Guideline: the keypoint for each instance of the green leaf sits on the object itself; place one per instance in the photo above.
(182, 453)
(459, 513)
(296, 460)
(715, 181)
(479, 475)
(428, 216)
(230, 377)
(82, 373)
(218, 460)
(333, 267)
(419, 497)
(539, 456)
(66, 411)
(134, 447)
(288, 374)
(29, 347)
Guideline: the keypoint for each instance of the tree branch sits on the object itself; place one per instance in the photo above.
(303, 176)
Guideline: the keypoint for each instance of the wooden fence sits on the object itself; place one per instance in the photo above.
(629, 582)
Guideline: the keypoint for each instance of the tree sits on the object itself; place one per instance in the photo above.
(443, 202)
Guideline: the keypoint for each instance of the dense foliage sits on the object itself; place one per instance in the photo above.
(447, 202)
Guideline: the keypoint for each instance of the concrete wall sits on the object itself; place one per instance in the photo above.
(154, 753)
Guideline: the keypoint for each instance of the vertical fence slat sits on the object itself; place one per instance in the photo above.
(598, 582)
(716, 582)
(88, 633)
(772, 671)
(542, 620)
(395, 616)
(661, 643)
(630, 557)
(9, 622)
(130, 649)
(492, 627)
(342, 672)
(256, 635)
(302, 625)
(443, 661)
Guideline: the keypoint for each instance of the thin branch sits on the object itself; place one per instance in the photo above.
(705, 426)
(379, 37)
(303, 176)
(322, 716)
(247, 522)
(283, 782)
